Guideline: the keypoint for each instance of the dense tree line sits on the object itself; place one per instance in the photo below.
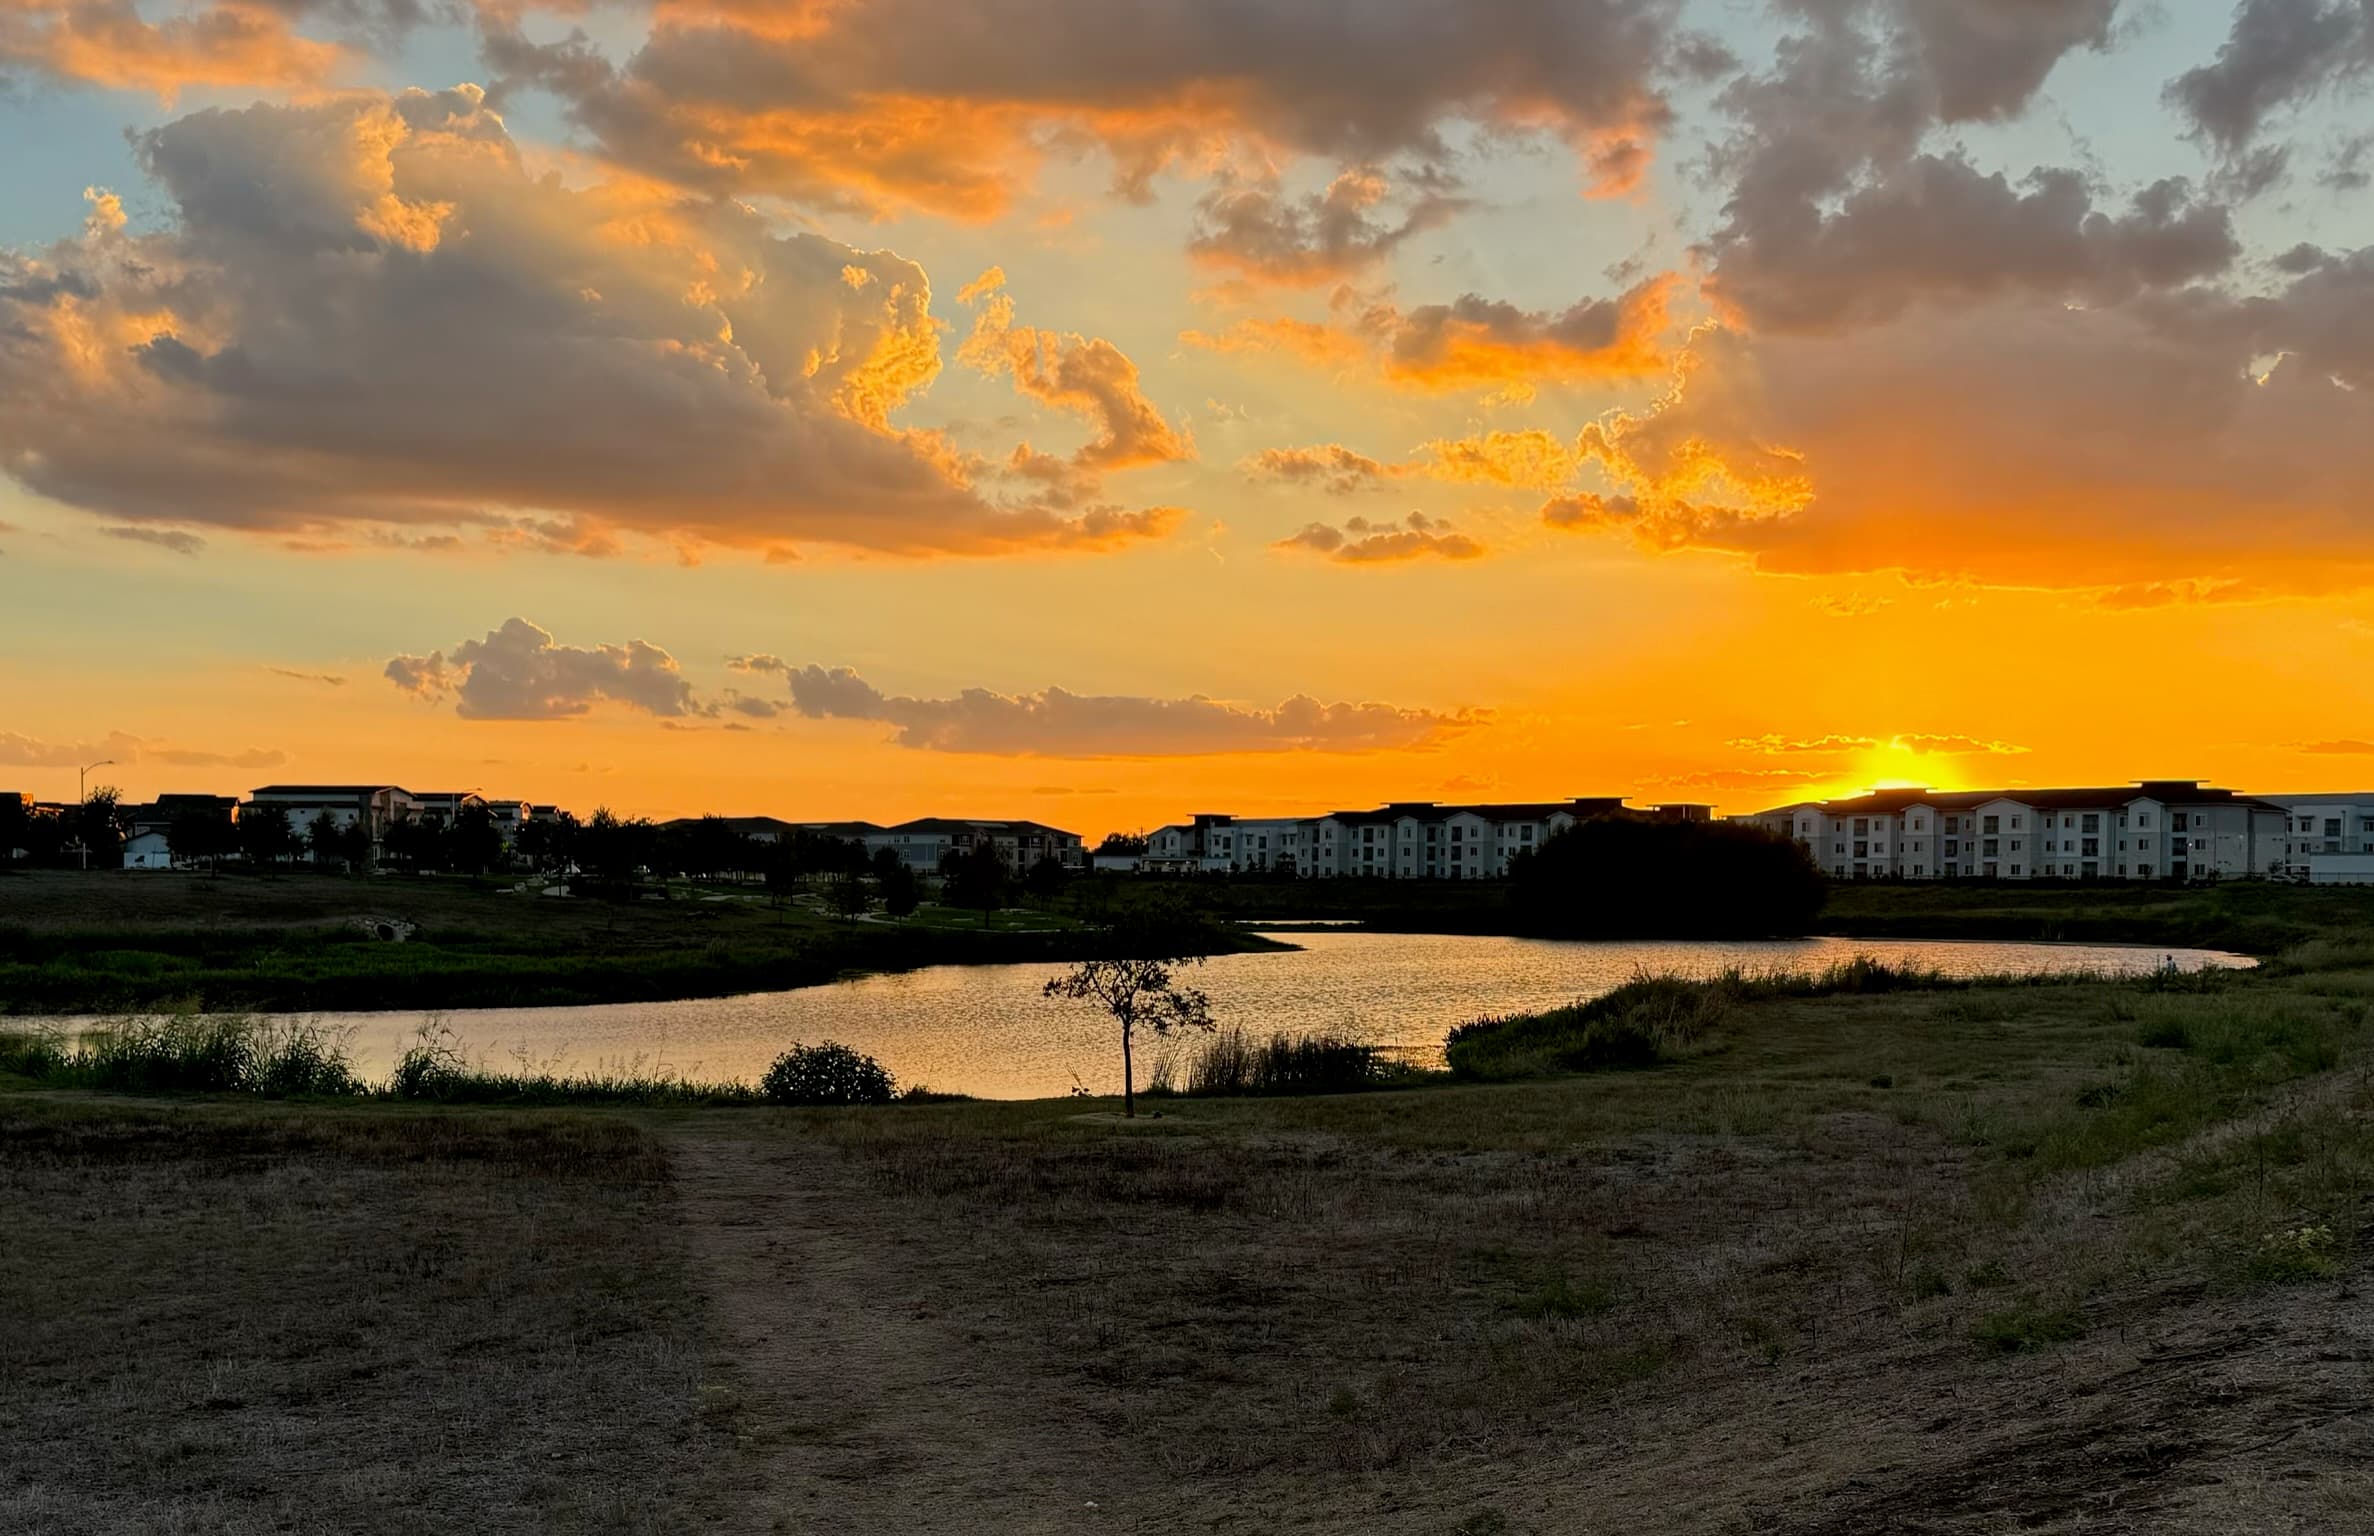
(1620, 878)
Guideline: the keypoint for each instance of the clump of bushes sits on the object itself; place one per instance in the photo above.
(1234, 1063)
(830, 1073)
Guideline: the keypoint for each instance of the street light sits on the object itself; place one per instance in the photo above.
(82, 798)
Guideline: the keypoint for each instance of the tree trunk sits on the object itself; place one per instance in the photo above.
(1129, 1092)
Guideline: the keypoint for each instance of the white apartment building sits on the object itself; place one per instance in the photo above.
(2164, 829)
(2328, 839)
(1404, 840)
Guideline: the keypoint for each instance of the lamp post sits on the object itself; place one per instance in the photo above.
(82, 800)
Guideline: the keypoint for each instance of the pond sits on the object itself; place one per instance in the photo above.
(987, 1030)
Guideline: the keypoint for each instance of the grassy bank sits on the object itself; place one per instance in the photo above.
(1861, 1252)
(228, 1320)
(120, 941)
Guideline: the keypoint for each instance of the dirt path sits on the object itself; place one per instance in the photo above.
(857, 1407)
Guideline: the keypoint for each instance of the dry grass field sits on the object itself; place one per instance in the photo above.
(2078, 1257)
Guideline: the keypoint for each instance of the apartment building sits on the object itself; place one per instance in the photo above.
(374, 806)
(2157, 829)
(1402, 840)
(924, 842)
(2328, 838)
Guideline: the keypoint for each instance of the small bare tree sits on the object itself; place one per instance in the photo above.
(1137, 991)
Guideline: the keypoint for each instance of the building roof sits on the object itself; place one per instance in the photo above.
(326, 791)
(1530, 810)
(171, 803)
(1887, 802)
(945, 826)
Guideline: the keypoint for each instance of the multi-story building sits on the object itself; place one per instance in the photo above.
(375, 807)
(2158, 829)
(2328, 839)
(926, 841)
(1403, 840)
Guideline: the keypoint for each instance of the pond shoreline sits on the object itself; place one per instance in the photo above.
(986, 1030)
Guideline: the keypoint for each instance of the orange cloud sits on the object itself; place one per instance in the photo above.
(2133, 450)
(875, 104)
(109, 43)
(368, 315)
(1086, 377)
(1473, 342)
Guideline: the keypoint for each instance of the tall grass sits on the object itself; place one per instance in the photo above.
(189, 1053)
(281, 1059)
(1236, 1063)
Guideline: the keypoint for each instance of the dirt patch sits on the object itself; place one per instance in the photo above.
(859, 1400)
(230, 1320)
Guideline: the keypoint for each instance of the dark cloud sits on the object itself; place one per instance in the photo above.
(887, 102)
(2277, 53)
(1260, 234)
(1055, 723)
(326, 679)
(178, 540)
(2349, 746)
(1330, 467)
(1938, 226)
(1363, 542)
(518, 672)
(367, 312)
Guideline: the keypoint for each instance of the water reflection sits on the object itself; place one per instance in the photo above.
(986, 1030)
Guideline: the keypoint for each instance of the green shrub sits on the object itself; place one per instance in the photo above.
(830, 1073)
(189, 1053)
(2295, 1255)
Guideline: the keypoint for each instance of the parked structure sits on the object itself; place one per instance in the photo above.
(1404, 840)
(2158, 829)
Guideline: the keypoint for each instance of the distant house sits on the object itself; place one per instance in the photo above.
(148, 842)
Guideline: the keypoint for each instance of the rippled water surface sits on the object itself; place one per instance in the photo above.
(986, 1030)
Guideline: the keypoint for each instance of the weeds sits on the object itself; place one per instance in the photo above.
(1234, 1063)
(2027, 1326)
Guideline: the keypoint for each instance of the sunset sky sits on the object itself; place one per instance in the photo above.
(1103, 410)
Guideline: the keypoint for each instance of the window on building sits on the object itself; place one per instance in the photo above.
(1992, 824)
(1990, 848)
(2091, 824)
(1991, 871)
(2015, 871)
(2092, 848)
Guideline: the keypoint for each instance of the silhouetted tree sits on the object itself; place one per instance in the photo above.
(15, 821)
(98, 827)
(1136, 982)
(199, 837)
(1122, 844)
(849, 896)
(323, 839)
(977, 877)
(1045, 880)
(264, 834)
(1617, 877)
(902, 893)
(474, 844)
(614, 850)
(886, 860)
